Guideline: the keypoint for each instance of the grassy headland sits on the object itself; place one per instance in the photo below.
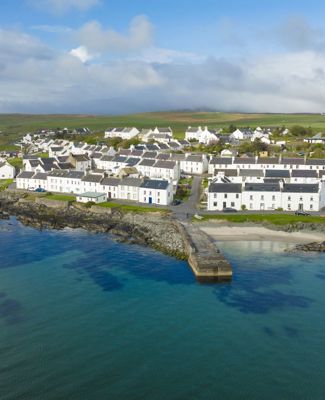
(13, 126)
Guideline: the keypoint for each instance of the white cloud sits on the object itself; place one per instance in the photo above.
(35, 78)
(82, 53)
(63, 6)
(93, 36)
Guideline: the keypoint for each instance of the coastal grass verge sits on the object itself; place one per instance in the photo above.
(61, 197)
(275, 219)
(133, 208)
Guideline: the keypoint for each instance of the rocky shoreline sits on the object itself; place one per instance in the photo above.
(309, 247)
(157, 230)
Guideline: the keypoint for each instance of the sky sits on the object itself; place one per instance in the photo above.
(127, 56)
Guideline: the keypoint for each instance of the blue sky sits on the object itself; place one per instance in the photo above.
(144, 55)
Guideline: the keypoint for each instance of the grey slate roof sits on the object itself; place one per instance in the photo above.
(26, 174)
(225, 188)
(110, 181)
(304, 173)
(315, 161)
(136, 182)
(92, 178)
(147, 162)
(66, 174)
(221, 160)
(293, 161)
(193, 158)
(40, 175)
(154, 184)
(165, 164)
(262, 187)
(149, 154)
(277, 173)
(228, 172)
(300, 188)
(251, 172)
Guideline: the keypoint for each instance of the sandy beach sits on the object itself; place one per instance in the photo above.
(256, 233)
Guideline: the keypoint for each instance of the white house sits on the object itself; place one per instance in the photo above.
(223, 195)
(128, 188)
(194, 164)
(23, 180)
(65, 181)
(124, 133)
(7, 171)
(318, 138)
(241, 134)
(110, 187)
(156, 192)
(92, 197)
(261, 196)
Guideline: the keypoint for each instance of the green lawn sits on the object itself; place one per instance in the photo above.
(4, 183)
(275, 219)
(61, 197)
(134, 208)
(16, 162)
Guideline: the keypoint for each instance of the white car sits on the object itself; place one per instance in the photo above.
(31, 188)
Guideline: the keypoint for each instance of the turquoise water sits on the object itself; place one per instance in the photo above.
(84, 317)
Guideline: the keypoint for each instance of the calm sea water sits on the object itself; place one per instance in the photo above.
(84, 317)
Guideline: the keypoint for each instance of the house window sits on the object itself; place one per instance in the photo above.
(232, 204)
(289, 198)
(262, 197)
(311, 199)
(215, 195)
(251, 197)
(273, 197)
(215, 204)
(237, 196)
(225, 196)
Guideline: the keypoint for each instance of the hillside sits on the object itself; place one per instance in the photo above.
(14, 125)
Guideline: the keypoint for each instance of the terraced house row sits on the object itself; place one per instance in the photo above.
(266, 196)
(142, 190)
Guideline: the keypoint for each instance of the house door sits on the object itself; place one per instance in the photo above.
(301, 207)
(262, 206)
(150, 200)
(224, 204)
(109, 195)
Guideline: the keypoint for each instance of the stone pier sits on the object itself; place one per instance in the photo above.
(206, 261)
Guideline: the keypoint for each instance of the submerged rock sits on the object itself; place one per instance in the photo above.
(314, 246)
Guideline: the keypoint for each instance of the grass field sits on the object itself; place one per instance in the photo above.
(13, 126)
(275, 219)
(60, 197)
(130, 207)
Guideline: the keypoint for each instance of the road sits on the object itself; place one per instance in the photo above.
(188, 208)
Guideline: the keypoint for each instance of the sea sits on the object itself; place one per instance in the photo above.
(84, 317)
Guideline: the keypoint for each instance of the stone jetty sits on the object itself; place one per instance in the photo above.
(206, 261)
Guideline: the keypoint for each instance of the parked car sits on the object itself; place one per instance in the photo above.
(300, 212)
(40, 190)
(31, 188)
(229, 209)
(176, 202)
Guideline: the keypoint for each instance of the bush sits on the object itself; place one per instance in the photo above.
(90, 204)
(279, 209)
(243, 207)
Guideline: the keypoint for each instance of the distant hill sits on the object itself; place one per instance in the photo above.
(13, 125)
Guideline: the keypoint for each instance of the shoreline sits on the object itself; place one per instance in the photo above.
(235, 233)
